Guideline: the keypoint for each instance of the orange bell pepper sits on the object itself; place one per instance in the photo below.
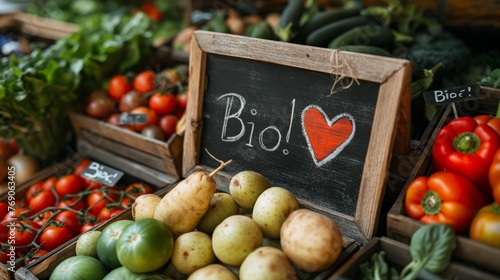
(485, 226)
(444, 198)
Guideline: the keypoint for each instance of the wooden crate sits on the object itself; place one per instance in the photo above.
(133, 173)
(152, 155)
(400, 227)
(212, 54)
(397, 256)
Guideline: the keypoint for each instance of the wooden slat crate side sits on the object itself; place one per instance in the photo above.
(160, 181)
(163, 156)
(401, 228)
(398, 254)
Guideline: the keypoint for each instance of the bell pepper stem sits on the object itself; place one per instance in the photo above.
(431, 203)
(467, 142)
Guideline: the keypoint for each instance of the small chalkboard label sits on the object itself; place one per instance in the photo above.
(102, 174)
(127, 118)
(452, 95)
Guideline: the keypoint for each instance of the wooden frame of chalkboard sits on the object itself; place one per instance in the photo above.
(337, 146)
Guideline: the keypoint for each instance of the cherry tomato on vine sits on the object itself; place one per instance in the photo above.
(108, 212)
(98, 200)
(118, 86)
(89, 221)
(137, 189)
(70, 220)
(25, 234)
(127, 202)
(17, 213)
(54, 236)
(145, 81)
(182, 101)
(42, 218)
(151, 11)
(163, 103)
(75, 203)
(48, 183)
(33, 190)
(70, 184)
(42, 200)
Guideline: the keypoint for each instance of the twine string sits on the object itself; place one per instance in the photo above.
(338, 62)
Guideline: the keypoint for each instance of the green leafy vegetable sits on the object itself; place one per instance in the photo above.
(431, 248)
(37, 90)
(491, 80)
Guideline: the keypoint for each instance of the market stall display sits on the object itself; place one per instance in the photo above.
(305, 118)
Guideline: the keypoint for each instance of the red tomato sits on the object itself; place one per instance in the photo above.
(81, 166)
(136, 189)
(98, 200)
(88, 226)
(33, 190)
(151, 11)
(42, 200)
(127, 202)
(25, 234)
(37, 255)
(118, 86)
(75, 203)
(70, 184)
(42, 218)
(48, 183)
(113, 119)
(163, 103)
(89, 221)
(4, 258)
(54, 236)
(16, 213)
(92, 185)
(152, 117)
(106, 213)
(4, 209)
(70, 220)
(145, 81)
(182, 101)
(168, 124)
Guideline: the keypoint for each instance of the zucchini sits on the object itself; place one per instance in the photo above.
(323, 18)
(289, 22)
(324, 35)
(365, 49)
(262, 30)
(367, 35)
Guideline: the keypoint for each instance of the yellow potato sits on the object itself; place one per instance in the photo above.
(267, 263)
(311, 240)
(213, 272)
(192, 250)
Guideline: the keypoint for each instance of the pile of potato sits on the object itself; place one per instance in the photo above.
(257, 231)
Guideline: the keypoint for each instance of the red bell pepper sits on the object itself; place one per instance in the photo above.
(463, 146)
(491, 121)
(494, 177)
(444, 198)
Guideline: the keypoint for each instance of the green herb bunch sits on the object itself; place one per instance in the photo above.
(37, 90)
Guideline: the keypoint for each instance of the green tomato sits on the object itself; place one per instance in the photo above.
(122, 273)
(106, 244)
(145, 245)
(79, 268)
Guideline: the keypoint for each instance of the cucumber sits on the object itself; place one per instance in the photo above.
(324, 35)
(322, 18)
(289, 22)
(262, 30)
(367, 35)
(366, 50)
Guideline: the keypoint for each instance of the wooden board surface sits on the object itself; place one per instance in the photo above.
(268, 106)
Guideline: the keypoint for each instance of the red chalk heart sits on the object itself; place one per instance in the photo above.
(326, 138)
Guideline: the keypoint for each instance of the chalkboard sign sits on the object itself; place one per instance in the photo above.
(102, 174)
(269, 107)
(128, 118)
(452, 95)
